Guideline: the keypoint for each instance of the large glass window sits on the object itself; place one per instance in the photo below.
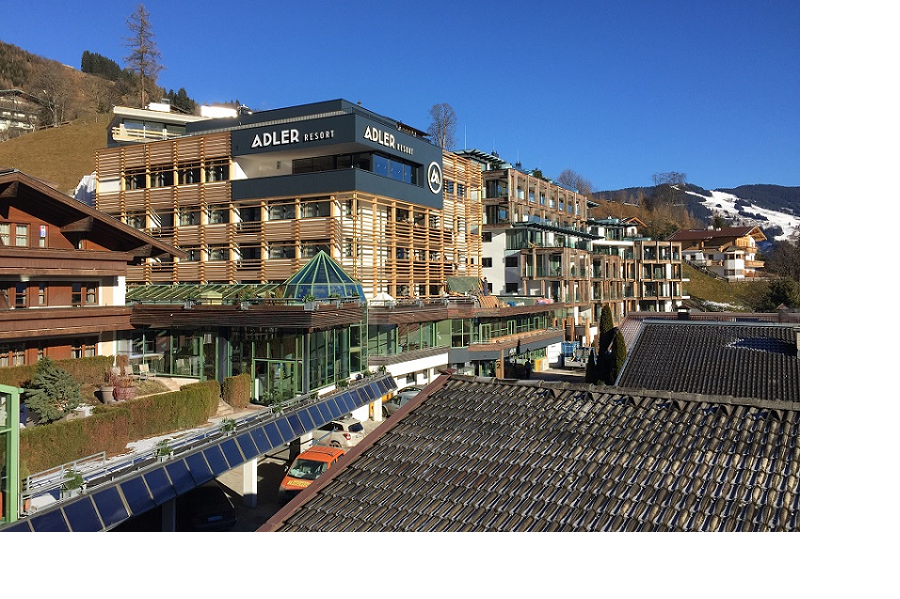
(282, 210)
(218, 215)
(188, 216)
(217, 170)
(189, 173)
(282, 249)
(218, 253)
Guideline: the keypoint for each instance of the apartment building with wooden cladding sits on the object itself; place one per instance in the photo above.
(252, 199)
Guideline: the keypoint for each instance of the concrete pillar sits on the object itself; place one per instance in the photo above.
(168, 516)
(249, 482)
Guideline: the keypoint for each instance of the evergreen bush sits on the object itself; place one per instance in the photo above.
(52, 392)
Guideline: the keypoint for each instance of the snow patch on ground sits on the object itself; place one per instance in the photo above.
(724, 203)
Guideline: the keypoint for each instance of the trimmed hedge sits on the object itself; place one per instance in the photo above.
(87, 371)
(236, 390)
(111, 427)
(43, 447)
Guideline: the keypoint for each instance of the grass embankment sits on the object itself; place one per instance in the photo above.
(710, 293)
(60, 156)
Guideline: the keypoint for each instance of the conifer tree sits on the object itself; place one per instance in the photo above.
(591, 374)
(52, 392)
(618, 357)
(144, 56)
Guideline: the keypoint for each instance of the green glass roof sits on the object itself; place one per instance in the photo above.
(185, 291)
(322, 277)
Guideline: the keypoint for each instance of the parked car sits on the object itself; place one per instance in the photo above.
(307, 467)
(343, 432)
(399, 400)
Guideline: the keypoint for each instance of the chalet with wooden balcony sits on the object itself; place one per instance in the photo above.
(62, 273)
(728, 252)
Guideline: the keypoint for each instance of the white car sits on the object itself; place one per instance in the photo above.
(343, 432)
(399, 400)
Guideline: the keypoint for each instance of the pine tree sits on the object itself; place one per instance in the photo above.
(617, 360)
(144, 57)
(590, 370)
(52, 392)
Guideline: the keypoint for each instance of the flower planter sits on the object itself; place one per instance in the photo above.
(107, 394)
(124, 393)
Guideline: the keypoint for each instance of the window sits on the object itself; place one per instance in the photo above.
(135, 178)
(189, 173)
(486, 236)
(512, 288)
(188, 216)
(280, 250)
(218, 253)
(138, 220)
(448, 186)
(217, 170)
(487, 262)
(282, 210)
(12, 355)
(249, 252)
(193, 254)
(218, 215)
(21, 295)
(42, 294)
(84, 348)
(84, 294)
(512, 261)
(161, 176)
(14, 234)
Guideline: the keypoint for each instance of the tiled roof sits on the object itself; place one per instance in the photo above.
(755, 360)
(494, 455)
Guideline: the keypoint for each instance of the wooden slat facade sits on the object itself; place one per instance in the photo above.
(388, 245)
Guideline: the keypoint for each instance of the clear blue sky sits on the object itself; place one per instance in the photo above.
(616, 91)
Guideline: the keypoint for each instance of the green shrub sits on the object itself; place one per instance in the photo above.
(111, 427)
(52, 392)
(236, 390)
(88, 372)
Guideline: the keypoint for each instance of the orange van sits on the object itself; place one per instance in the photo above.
(307, 467)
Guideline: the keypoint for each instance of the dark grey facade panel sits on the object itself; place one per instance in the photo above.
(334, 182)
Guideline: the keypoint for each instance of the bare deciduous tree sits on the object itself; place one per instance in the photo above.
(53, 94)
(573, 179)
(443, 125)
(144, 56)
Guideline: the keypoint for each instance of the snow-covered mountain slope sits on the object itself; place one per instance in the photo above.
(726, 205)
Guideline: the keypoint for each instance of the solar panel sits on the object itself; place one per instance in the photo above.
(248, 448)
(110, 506)
(180, 477)
(160, 487)
(263, 444)
(273, 432)
(82, 516)
(52, 521)
(232, 454)
(285, 429)
(199, 469)
(311, 418)
(296, 426)
(137, 495)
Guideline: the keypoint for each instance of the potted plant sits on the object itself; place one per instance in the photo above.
(108, 386)
(228, 425)
(163, 451)
(124, 387)
(309, 301)
(72, 483)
